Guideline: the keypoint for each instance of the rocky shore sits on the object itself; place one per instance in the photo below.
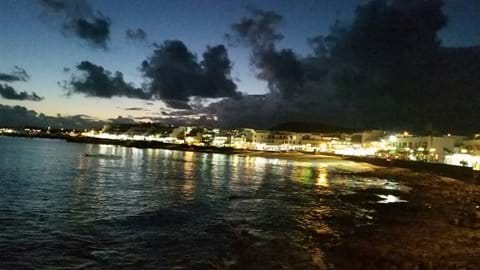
(439, 227)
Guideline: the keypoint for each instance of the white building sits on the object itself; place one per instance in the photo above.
(473, 146)
(428, 148)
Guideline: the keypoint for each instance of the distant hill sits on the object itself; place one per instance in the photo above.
(310, 127)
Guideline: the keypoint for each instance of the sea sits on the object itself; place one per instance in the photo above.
(82, 206)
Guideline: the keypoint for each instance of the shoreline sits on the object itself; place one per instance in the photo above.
(465, 174)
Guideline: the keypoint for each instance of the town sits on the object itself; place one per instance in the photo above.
(448, 149)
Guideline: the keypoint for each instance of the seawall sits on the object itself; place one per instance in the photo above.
(465, 174)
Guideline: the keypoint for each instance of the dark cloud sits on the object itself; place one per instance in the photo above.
(216, 80)
(283, 72)
(177, 104)
(95, 81)
(174, 76)
(122, 120)
(56, 5)
(8, 92)
(17, 74)
(175, 73)
(79, 19)
(280, 68)
(136, 34)
(254, 111)
(387, 69)
(385, 64)
(135, 109)
(173, 70)
(18, 116)
(258, 31)
(96, 30)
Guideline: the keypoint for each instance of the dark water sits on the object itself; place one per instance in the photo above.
(170, 209)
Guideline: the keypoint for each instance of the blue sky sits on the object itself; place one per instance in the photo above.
(32, 40)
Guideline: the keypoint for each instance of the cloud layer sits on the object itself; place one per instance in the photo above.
(8, 92)
(137, 34)
(386, 69)
(95, 81)
(80, 20)
(18, 116)
(17, 74)
(175, 73)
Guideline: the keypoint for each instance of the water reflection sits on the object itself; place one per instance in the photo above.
(322, 177)
(157, 208)
(188, 170)
(390, 199)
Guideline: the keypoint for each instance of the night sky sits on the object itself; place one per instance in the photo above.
(39, 39)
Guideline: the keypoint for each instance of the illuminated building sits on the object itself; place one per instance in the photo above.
(473, 145)
(425, 148)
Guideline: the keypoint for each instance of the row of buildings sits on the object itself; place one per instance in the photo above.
(450, 149)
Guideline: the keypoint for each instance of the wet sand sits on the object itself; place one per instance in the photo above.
(438, 228)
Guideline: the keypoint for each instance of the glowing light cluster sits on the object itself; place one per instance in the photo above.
(465, 160)
(7, 130)
(351, 151)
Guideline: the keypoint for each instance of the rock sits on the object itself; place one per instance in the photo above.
(455, 221)
(407, 265)
(466, 222)
(472, 267)
(426, 265)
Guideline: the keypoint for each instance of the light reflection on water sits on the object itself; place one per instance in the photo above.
(390, 199)
(157, 208)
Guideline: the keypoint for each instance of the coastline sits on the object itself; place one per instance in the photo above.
(465, 174)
